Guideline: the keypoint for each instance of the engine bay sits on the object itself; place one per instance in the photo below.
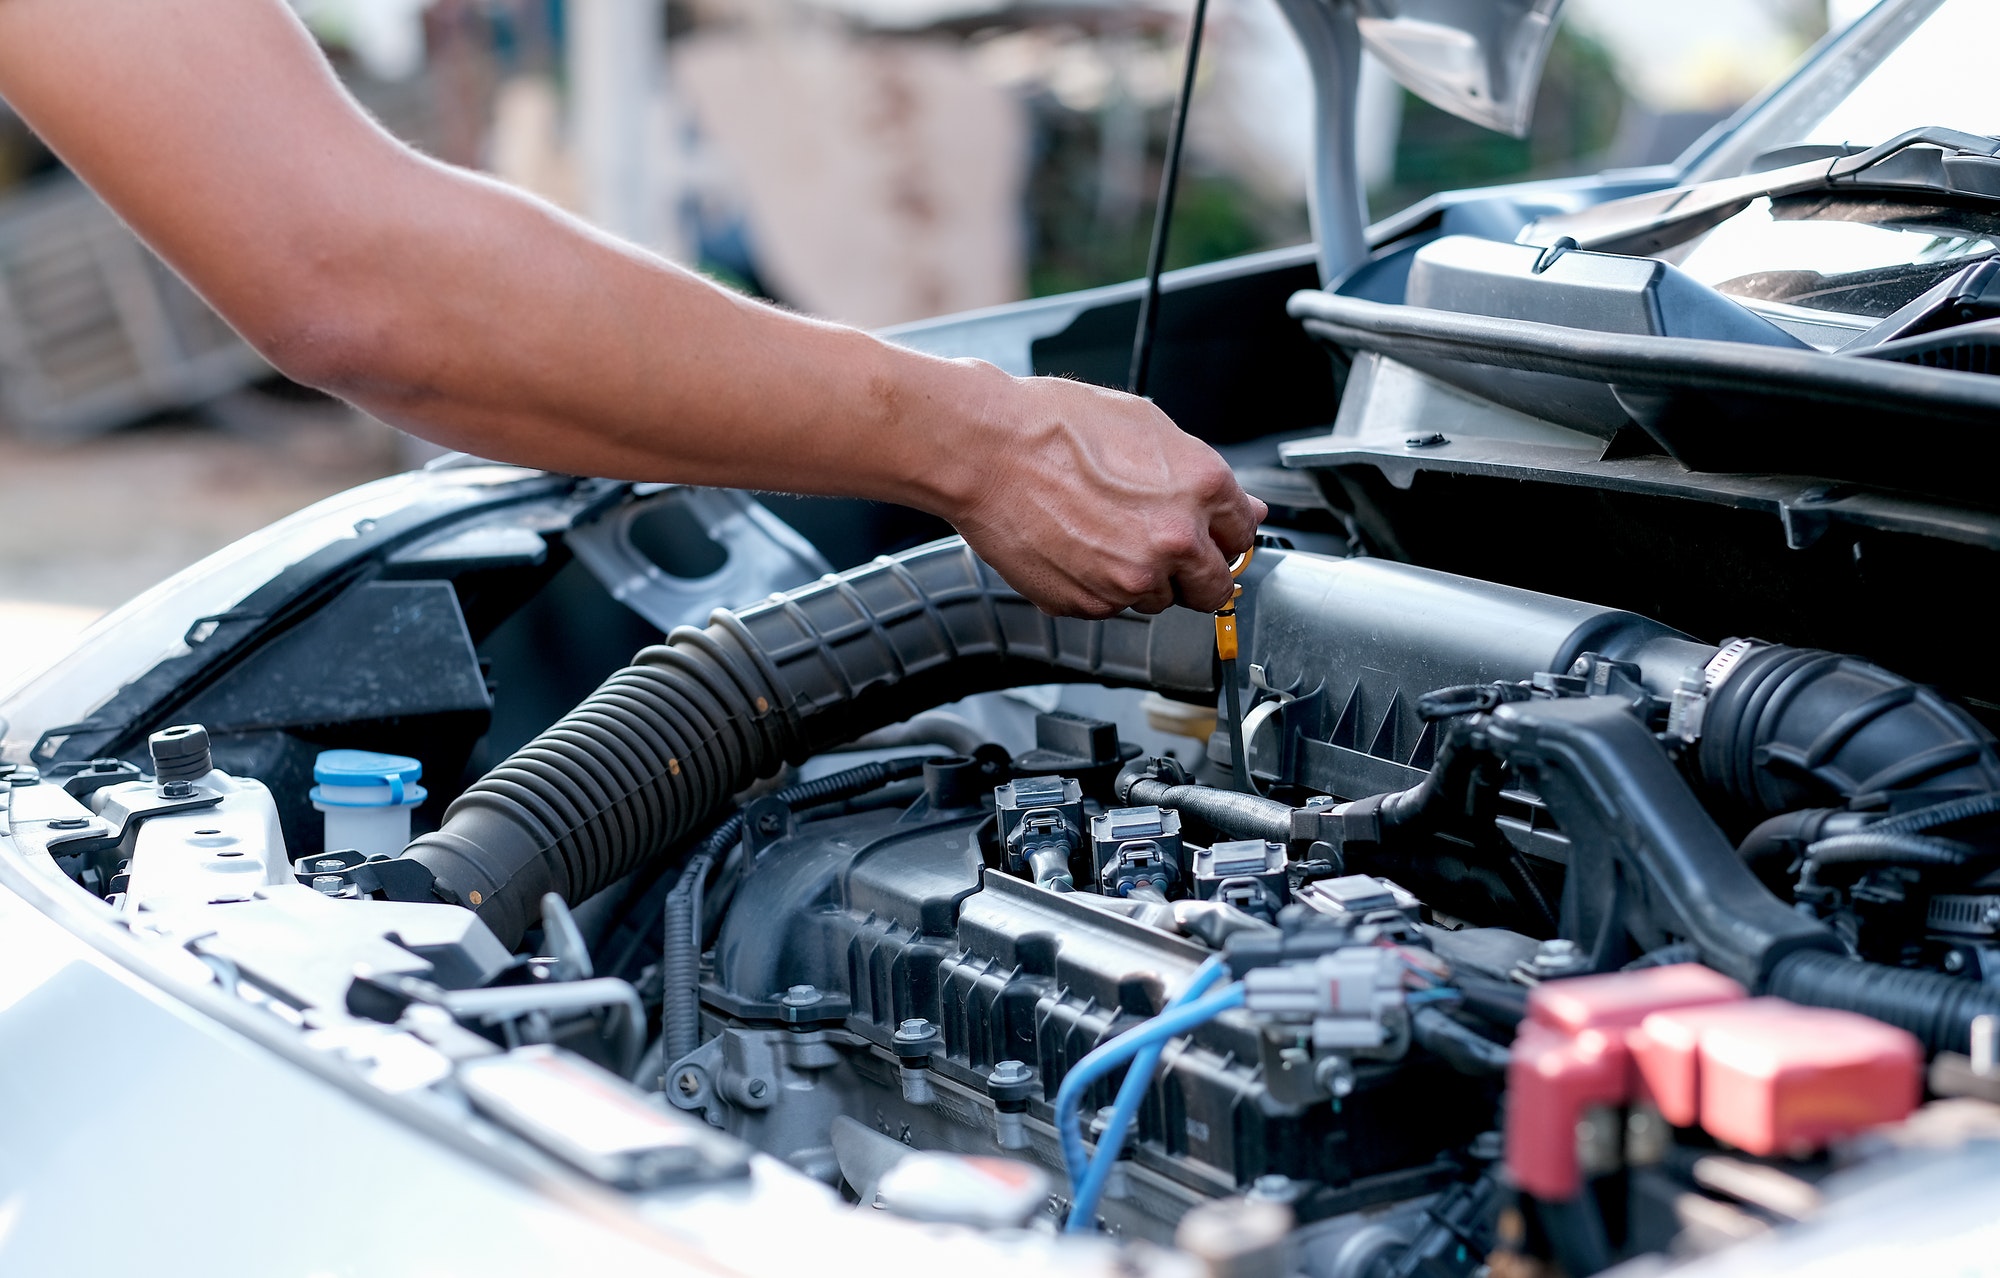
(1531, 936)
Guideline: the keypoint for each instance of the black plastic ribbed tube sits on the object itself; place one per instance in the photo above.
(1938, 1009)
(658, 749)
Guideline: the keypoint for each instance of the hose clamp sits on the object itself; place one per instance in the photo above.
(1726, 659)
(1688, 708)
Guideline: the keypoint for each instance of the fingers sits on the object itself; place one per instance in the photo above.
(1204, 581)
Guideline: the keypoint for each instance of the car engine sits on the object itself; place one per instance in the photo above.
(1531, 933)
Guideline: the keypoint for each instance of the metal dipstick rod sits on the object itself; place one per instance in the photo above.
(1232, 699)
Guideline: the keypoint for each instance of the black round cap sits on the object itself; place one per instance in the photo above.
(180, 753)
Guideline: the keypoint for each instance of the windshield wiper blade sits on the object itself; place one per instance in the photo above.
(1934, 161)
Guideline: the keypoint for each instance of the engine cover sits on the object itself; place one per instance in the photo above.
(894, 917)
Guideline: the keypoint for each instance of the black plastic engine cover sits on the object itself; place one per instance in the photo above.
(895, 916)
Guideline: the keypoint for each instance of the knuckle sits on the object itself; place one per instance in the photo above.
(1182, 541)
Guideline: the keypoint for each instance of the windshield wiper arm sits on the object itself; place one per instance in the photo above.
(1933, 160)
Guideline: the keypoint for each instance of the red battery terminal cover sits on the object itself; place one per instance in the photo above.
(1763, 1075)
(1773, 1078)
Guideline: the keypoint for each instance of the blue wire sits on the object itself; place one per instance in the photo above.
(1167, 1025)
(1131, 1094)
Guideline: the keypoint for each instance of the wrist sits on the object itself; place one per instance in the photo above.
(944, 422)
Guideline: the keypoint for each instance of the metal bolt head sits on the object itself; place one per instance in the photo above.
(332, 865)
(1993, 914)
(769, 823)
(1336, 1075)
(1009, 1072)
(1556, 957)
(1273, 1188)
(331, 884)
(913, 1030)
(801, 996)
(177, 789)
(756, 1087)
(687, 1082)
(1954, 961)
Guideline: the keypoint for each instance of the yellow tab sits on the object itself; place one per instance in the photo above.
(1225, 635)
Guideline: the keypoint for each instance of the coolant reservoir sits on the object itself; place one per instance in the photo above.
(367, 798)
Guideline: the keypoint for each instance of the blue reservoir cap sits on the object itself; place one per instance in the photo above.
(366, 768)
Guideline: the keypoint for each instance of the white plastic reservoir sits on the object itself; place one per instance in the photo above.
(367, 799)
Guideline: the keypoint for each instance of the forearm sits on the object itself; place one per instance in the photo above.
(487, 320)
(482, 318)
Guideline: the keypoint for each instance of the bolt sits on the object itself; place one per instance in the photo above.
(1431, 440)
(913, 1030)
(332, 865)
(756, 1087)
(801, 996)
(1336, 1076)
(687, 1082)
(69, 823)
(1273, 1188)
(1954, 961)
(177, 789)
(1557, 957)
(331, 884)
(769, 823)
(1992, 915)
(1009, 1072)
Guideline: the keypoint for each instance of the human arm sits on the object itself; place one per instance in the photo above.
(479, 317)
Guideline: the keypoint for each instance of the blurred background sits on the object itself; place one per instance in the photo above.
(875, 161)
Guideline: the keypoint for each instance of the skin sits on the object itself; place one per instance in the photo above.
(479, 317)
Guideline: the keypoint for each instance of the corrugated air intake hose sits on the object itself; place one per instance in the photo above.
(663, 744)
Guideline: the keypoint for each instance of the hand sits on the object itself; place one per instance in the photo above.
(1094, 502)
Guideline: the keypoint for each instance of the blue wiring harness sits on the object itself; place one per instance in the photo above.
(1143, 1046)
(1185, 1012)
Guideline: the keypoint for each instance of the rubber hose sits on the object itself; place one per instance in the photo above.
(1794, 727)
(1462, 1049)
(680, 958)
(1872, 847)
(1775, 843)
(663, 743)
(1243, 816)
(1950, 812)
(1938, 1009)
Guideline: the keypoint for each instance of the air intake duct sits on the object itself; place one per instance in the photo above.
(662, 744)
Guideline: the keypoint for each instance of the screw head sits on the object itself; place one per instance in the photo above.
(913, 1029)
(801, 996)
(176, 789)
(332, 865)
(687, 1082)
(1006, 1072)
(1272, 1187)
(757, 1087)
(1336, 1075)
(69, 823)
(331, 884)
(1954, 961)
(769, 823)
(1554, 957)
